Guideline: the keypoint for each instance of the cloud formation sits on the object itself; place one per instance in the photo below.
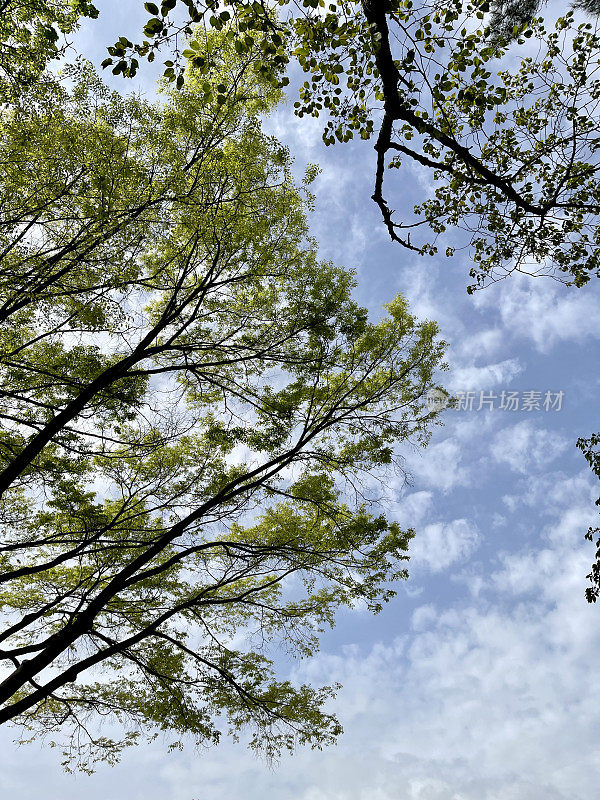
(526, 447)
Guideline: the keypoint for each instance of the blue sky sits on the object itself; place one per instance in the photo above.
(477, 682)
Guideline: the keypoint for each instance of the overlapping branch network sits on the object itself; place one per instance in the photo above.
(188, 401)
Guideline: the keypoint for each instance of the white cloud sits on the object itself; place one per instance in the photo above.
(550, 492)
(423, 616)
(305, 139)
(440, 465)
(418, 287)
(441, 544)
(491, 702)
(411, 509)
(543, 311)
(481, 343)
(472, 378)
(523, 446)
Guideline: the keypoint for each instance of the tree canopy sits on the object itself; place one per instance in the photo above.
(513, 152)
(500, 107)
(190, 398)
(32, 33)
(191, 409)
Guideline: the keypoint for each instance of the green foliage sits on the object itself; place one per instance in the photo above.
(590, 6)
(189, 402)
(534, 131)
(501, 108)
(30, 36)
(508, 16)
(590, 448)
(512, 151)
